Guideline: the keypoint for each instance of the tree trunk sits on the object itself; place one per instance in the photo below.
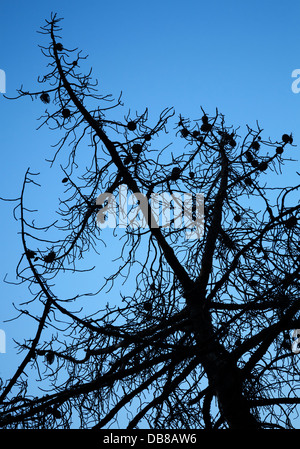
(222, 372)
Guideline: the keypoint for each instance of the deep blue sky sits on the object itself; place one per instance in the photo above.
(232, 55)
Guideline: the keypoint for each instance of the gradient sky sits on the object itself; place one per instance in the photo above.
(237, 56)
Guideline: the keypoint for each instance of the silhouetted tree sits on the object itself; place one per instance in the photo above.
(204, 338)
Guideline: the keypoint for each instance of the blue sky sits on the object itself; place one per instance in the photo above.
(235, 56)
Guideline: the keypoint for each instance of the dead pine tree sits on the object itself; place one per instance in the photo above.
(200, 334)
